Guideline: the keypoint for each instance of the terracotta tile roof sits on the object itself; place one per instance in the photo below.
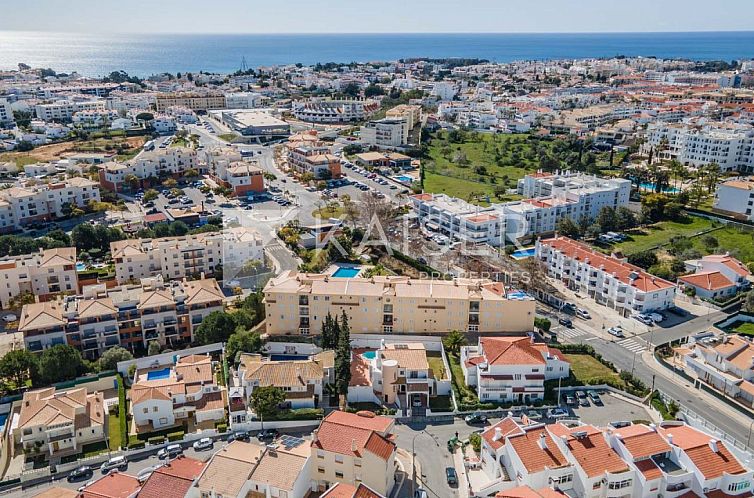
(114, 485)
(279, 469)
(95, 307)
(409, 356)
(359, 369)
(650, 470)
(514, 350)
(646, 444)
(730, 262)
(57, 492)
(697, 447)
(527, 492)
(719, 493)
(185, 467)
(575, 250)
(36, 316)
(230, 468)
(345, 490)
(195, 369)
(297, 373)
(210, 402)
(352, 434)
(707, 280)
(594, 455)
(532, 455)
(46, 407)
(60, 256)
(508, 427)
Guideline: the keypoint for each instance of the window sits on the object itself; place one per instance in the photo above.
(146, 410)
(338, 458)
(320, 454)
(339, 475)
(357, 462)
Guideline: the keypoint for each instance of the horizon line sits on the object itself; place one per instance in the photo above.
(368, 33)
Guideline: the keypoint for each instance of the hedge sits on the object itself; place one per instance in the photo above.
(136, 445)
(300, 414)
(221, 428)
(156, 440)
(175, 436)
(122, 411)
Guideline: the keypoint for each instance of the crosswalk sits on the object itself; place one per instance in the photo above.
(570, 334)
(633, 345)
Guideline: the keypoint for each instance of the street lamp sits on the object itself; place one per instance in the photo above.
(413, 458)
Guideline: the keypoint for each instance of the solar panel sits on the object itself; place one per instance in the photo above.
(290, 442)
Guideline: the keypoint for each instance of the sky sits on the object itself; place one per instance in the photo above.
(377, 16)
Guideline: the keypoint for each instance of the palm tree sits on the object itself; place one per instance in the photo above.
(454, 341)
(713, 175)
(678, 172)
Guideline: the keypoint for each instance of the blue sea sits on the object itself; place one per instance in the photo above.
(142, 55)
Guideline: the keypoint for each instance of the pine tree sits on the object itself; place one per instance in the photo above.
(343, 357)
(327, 329)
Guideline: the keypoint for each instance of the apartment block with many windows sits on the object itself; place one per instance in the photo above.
(297, 303)
(47, 272)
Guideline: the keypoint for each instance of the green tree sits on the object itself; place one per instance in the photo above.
(218, 326)
(343, 357)
(625, 218)
(151, 195)
(59, 363)
(153, 348)
(265, 401)
(454, 340)
(566, 226)
(19, 366)
(110, 358)
(644, 259)
(749, 303)
(242, 341)
(606, 219)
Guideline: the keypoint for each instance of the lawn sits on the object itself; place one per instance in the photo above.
(660, 233)
(435, 363)
(228, 137)
(113, 430)
(737, 243)
(745, 328)
(454, 167)
(586, 368)
(327, 212)
(466, 393)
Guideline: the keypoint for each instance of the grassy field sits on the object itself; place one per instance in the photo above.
(435, 363)
(113, 428)
(737, 243)
(661, 233)
(453, 168)
(326, 212)
(586, 368)
(746, 328)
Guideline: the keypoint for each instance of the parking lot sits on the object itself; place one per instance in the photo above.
(613, 409)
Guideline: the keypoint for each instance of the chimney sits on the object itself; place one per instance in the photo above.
(498, 434)
(314, 435)
(670, 439)
(542, 441)
(713, 445)
(353, 445)
(653, 427)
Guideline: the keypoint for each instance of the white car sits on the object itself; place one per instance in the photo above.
(616, 331)
(10, 317)
(645, 319)
(582, 313)
(204, 443)
(656, 317)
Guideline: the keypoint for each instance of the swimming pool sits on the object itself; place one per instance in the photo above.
(523, 253)
(518, 295)
(159, 374)
(651, 187)
(369, 355)
(80, 267)
(403, 178)
(346, 272)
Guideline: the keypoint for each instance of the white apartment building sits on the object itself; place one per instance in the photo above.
(154, 164)
(551, 197)
(63, 110)
(164, 125)
(609, 281)
(175, 258)
(94, 120)
(730, 146)
(384, 133)
(512, 369)
(243, 100)
(318, 110)
(305, 153)
(736, 198)
(22, 205)
(6, 114)
(49, 271)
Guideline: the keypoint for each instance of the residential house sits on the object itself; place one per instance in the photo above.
(300, 380)
(173, 479)
(47, 272)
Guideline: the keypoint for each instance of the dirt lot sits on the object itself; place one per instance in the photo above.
(56, 151)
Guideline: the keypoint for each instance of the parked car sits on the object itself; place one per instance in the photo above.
(204, 443)
(570, 400)
(420, 493)
(476, 418)
(533, 415)
(594, 397)
(620, 423)
(645, 319)
(557, 413)
(451, 476)
(566, 322)
(239, 436)
(582, 398)
(117, 462)
(79, 473)
(582, 313)
(616, 331)
(268, 435)
(170, 451)
(9, 317)
(656, 317)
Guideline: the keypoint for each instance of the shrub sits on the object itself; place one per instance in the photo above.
(476, 442)
(156, 440)
(136, 445)
(122, 410)
(221, 428)
(175, 436)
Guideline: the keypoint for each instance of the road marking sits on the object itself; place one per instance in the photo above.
(633, 345)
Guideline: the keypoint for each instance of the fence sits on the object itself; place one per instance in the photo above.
(743, 451)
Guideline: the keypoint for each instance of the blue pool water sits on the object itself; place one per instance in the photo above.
(523, 253)
(3, 419)
(518, 295)
(651, 188)
(159, 374)
(288, 357)
(346, 272)
(369, 355)
(404, 179)
(80, 267)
